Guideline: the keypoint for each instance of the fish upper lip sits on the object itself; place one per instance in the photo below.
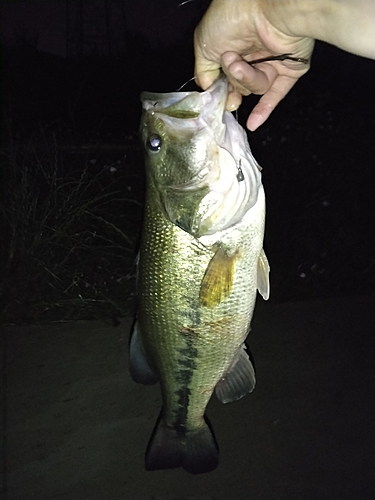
(158, 102)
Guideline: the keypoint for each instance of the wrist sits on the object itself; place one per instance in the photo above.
(298, 18)
(348, 24)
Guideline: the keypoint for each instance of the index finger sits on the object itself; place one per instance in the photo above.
(269, 101)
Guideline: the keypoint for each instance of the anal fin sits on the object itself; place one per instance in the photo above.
(239, 379)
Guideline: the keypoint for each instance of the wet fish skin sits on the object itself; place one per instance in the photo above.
(201, 262)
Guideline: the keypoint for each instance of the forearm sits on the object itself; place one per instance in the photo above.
(347, 24)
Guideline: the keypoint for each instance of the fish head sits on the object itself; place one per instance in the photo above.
(188, 139)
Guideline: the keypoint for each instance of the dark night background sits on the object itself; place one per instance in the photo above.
(72, 186)
(77, 69)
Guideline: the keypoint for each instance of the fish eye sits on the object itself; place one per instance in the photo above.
(154, 143)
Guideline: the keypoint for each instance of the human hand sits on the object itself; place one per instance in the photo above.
(230, 36)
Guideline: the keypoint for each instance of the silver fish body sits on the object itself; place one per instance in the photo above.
(200, 265)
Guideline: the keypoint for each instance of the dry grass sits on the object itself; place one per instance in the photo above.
(69, 233)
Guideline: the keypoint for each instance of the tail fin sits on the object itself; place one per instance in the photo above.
(195, 451)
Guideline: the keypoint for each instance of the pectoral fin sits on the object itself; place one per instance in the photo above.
(263, 280)
(217, 282)
(238, 381)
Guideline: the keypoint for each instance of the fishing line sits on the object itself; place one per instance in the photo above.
(193, 78)
(184, 3)
(281, 57)
(183, 85)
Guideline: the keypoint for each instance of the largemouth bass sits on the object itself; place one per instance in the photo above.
(200, 264)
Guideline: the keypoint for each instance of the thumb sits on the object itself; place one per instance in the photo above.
(206, 72)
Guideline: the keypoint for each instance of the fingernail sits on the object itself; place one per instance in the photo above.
(232, 107)
(254, 121)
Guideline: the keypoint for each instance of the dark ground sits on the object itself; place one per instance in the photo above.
(77, 426)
